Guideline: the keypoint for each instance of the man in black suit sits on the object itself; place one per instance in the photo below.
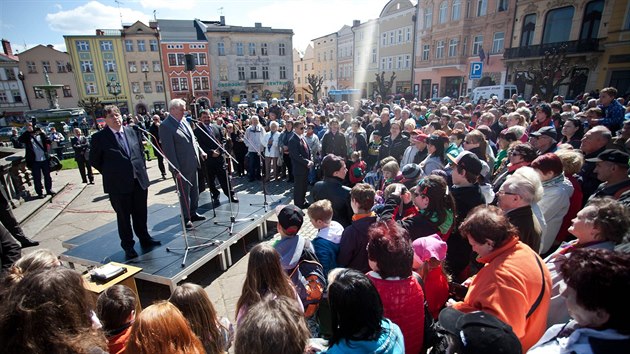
(37, 145)
(81, 147)
(300, 155)
(117, 153)
(215, 163)
(154, 129)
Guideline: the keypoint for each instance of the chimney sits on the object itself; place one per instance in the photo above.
(257, 24)
(6, 47)
(222, 20)
(50, 46)
(355, 23)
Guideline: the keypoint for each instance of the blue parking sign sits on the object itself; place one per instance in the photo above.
(476, 67)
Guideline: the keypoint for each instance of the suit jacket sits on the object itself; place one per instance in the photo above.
(180, 145)
(208, 145)
(299, 155)
(26, 140)
(80, 147)
(119, 169)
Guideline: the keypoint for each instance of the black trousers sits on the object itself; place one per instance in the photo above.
(8, 219)
(300, 185)
(215, 169)
(288, 164)
(84, 165)
(160, 161)
(128, 207)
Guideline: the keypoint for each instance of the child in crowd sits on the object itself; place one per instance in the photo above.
(374, 148)
(430, 252)
(358, 169)
(406, 208)
(326, 243)
(116, 308)
(391, 174)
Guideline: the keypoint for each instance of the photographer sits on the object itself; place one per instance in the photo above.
(37, 146)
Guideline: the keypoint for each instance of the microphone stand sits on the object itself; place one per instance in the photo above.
(187, 247)
(233, 219)
(265, 204)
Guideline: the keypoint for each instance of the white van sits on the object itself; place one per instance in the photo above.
(503, 92)
(257, 104)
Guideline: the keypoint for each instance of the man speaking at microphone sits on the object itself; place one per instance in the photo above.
(117, 153)
(182, 149)
(215, 164)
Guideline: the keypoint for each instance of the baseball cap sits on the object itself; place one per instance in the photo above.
(548, 131)
(420, 138)
(290, 217)
(611, 155)
(430, 246)
(411, 171)
(479, 332)
(468, 161)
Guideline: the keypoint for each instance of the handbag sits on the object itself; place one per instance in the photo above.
(55, 164)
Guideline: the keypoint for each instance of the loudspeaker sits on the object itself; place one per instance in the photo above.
(190, 62)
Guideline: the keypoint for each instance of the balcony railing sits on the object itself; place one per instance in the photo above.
(572, 47)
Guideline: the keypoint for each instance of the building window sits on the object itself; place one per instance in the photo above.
(558, 25)
(241, 73)
(128, 45)
(106, 46)
(263, 49)
(529, 26)
(31, 67)
(439, 49)
(299, 81)
(147, 87)
(297, 68)
(382, 63)
(477, 43)
(428, 17)
(135, 87)
(331, 74)
(175, 84)
(181, 59)
(282, 49)
(197, 83)
(391, 38)
(407, 35)
(384, 40)
(159, 86)
(239, 49)
(390, 63)
(156, 66)
(425, 51)
(109, 65)
(252, 48)
(3, 97)
(223, 73)
(502, 5)
(183, 83)
(283, 73)
(443, 12)
(497, 42)
(46, 65)
(61, 67)
(452, 47)
(17, 98)
(39, 93)
(141, 46)
(465, 47)
(205, 83)
(482, 7)
(90, 88)
(265, 73)
(153, 44)
(132, 67)
(457, 10)
(399, 63)
(10, 74)
(253, 73)
(66, 91)
(144, 66)
(199, 58)
(172, 59)
(400, 35)
(373, 55)
(592, 18)
(221, 48)
(83, 46)
(86, 66)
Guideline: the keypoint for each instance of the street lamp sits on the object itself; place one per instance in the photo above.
(113, 87)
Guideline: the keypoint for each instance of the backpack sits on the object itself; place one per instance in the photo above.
(308, 278)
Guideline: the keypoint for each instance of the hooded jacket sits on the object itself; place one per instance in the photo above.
(389, 342)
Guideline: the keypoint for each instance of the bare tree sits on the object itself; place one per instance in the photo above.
(383, 86)
(315, 83)
(288, 89)
(90, 105)
(549, 73)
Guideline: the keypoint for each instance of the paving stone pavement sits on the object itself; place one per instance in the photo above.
(91, 209)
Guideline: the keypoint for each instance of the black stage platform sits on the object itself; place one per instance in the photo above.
(102, 245)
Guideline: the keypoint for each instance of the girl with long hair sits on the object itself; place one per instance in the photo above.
(436, 145)
(216, 333)
(435, 202)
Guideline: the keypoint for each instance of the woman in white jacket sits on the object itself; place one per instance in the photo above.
(272, 151)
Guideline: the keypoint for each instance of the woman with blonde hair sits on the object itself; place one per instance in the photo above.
(37, 260)
(162, 329)
(216, 333)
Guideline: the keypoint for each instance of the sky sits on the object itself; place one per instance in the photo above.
(27, 23)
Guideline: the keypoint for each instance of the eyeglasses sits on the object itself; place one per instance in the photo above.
(502, 192)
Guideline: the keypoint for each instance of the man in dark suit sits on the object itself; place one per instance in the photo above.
(300, 155)
(154, 129)
(81, 147)
(182, 150)
(215, 164)
(37, 145)
(117, 153)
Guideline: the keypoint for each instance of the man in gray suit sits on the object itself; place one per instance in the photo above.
(182, 150)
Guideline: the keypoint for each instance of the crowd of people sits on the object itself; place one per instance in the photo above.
(486, 227)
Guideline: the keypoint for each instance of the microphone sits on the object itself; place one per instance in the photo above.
(195, 120)
(137, 128)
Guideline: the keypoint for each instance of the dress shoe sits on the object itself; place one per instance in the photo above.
(27, 242)
(163, 176)
(51, 192)
(216, 202)
(197, 217)
(234, 199)
(150, 242)
(91, 182)
(189, 225)
(305, 205)
(130, 254)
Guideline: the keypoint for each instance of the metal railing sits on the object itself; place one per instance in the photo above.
(572, 47)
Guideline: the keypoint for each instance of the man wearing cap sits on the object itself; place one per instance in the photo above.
(612, 168)
(593, 143)
(544, 140)
(417, 151)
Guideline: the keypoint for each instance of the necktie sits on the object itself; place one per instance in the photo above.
(304, 145)
(122, 142)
